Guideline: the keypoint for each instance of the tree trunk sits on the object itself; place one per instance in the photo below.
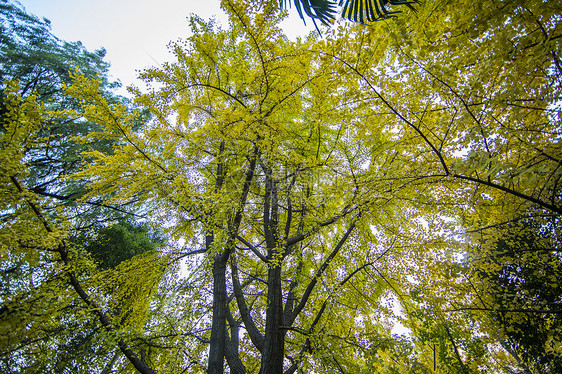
(231, 351)
(218, 329)
(274, 344)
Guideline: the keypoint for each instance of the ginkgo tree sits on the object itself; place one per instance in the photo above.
(257, 169)
(471, 93)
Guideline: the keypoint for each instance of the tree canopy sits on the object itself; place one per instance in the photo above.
(308, 196)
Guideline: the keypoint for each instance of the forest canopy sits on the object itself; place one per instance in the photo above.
(276, 206)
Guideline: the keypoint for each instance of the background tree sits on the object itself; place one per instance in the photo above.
(520, 290)
(113, 244)
(40, 62)
(42, 139)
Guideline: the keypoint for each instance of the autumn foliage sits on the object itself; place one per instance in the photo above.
(306, 198)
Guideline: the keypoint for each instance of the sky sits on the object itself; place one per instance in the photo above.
(134, 33)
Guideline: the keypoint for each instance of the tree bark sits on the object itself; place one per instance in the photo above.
(274, 343)
(231, 350)
(219, 334)
(218, 328)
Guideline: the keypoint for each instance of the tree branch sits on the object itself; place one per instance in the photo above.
(318, 274)
(253, 332)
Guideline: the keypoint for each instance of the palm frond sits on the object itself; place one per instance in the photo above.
(318, 10)
(365, 11)
(362, 11)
